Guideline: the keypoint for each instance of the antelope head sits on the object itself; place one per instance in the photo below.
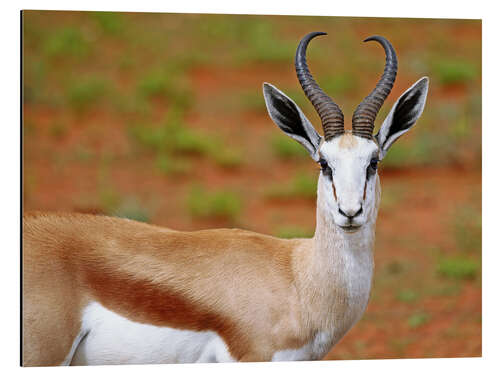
(348, 159)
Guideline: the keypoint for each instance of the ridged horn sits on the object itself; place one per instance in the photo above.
(363, 119)
(331, 115)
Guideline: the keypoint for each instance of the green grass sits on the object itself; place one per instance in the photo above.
(294, 232)
(418, 319)
(451, 71)
(251, 100)
(34, 74)
(87, 92)
(467, 228)
(407, 295)
(287, 148)
(66, 42)
(167, 82)
(424, 149)
(448, 290)
(155, 83)
(226, 157)
(112, 202)
(261, 43)
(393, 195)
(338, 84)
(221, 204)
(109, 22)
(301, 186)
(458, 267)
(173, 138)
(109, 199)
(82, 153)
(399, 344)
(130, 208)
(172, 165)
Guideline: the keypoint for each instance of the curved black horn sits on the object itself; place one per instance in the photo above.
(331, 115)
(363, 119)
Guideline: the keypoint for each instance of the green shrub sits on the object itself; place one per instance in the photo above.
(287, 148)
(407, 295)
(226, 157)
(167, 82)
(219, 204)
(340, 83)
(131, 209)
(262, 45)
(86, 92)
(169, 165)
(418, 319)
(66, 42)
(301, 186)
(455, 71)
(458, 268)
(109, 22)
(294, 232)
(173, 137)
(467, 228)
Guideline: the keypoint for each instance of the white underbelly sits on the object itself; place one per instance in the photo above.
(112, 339)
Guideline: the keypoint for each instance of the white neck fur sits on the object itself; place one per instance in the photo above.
(338, 271)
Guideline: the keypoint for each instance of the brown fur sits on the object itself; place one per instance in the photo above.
(157, 276)
(348, 141)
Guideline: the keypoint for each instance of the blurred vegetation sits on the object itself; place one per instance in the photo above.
(418, 319)
(458, 268)
(172, 139)
(287, 148)
(294, 232)
(218, 204)
(160, 118)
(301, 186)
(451, 72)
(407, 295)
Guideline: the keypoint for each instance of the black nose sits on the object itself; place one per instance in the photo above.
(351, 214)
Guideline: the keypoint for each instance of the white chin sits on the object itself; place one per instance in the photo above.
(350, 228)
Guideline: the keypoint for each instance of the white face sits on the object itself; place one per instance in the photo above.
(347, 182)
(347, 185)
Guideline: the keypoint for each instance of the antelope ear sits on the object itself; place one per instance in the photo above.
(403, 115)
(288, 116)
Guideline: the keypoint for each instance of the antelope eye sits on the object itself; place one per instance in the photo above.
(325, 167)
(374, 163)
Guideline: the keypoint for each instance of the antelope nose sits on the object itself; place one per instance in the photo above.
(351, 212)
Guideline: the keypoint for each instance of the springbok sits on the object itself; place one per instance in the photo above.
(102, 290)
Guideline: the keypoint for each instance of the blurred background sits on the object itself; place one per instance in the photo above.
(160, 118)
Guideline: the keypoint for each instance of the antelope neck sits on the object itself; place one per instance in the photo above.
(338, 267)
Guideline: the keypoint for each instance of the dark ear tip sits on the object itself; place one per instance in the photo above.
(423, 83)
(267, 88)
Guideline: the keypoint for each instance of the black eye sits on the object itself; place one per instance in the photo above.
(374, 163)
(325, 167)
